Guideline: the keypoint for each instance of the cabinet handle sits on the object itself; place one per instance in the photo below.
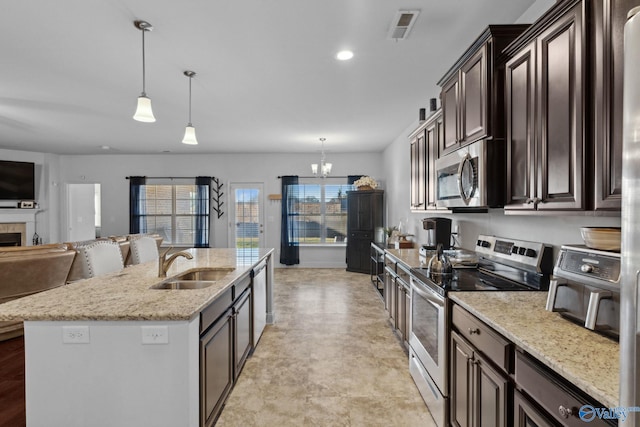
(565, 412)
(474, 331)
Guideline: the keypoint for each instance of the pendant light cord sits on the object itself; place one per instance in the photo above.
(190, 100)
(144, 92)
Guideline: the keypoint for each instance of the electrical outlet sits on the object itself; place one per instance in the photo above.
(155, 335)
(75, 335)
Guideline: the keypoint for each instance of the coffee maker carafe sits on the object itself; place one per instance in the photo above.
(438, 232)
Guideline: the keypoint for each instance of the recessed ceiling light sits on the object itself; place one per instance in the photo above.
(344, 55)
(105, 147)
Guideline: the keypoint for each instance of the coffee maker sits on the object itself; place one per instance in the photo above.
(438, 232)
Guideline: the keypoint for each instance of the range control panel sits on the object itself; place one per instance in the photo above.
(529, 253)
(574, 261)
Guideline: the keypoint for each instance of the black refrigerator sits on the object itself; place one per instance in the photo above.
(364, 221)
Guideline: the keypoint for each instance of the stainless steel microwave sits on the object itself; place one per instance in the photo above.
(473, 176)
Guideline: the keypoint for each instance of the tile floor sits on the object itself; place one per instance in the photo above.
(330, 359)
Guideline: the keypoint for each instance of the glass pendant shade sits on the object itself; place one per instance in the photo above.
(314, 168)
(144, 113)
(190, 135)
(326, 169)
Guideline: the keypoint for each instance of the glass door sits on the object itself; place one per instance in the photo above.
(246, 231)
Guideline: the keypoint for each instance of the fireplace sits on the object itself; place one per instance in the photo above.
(13, 234)
(10, 239)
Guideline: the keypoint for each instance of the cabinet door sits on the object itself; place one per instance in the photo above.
(388, 287)
(461, 384)
(418, 171)
(432, 153)
(561, 85)
(216, 368)
(243, 338)
(358, 258)
(525, 415)
(607, 64)
(520, 100)
(490, 395)
(360, 210)
(473, 102)
(450, 106)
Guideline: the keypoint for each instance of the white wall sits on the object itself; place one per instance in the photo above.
(110, 171)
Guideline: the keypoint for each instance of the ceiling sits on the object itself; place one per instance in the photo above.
(267, 78)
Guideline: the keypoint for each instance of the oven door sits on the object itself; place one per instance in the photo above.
(428, 332)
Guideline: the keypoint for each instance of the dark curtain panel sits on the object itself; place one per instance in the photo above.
(203, 188)
(353, 178)
(289, 250)
(136, 206)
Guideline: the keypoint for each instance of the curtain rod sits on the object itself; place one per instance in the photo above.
(170, 177)
(332, 176)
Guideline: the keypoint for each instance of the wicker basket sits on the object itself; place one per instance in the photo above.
(365, 187)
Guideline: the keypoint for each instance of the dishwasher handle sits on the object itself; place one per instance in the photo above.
(258, 268)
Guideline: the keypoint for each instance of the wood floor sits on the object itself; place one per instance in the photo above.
(12, 412)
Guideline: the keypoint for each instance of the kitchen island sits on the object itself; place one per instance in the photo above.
(112, 351)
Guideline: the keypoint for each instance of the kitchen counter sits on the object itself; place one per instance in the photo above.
(408, 257)
(125, 295)
(583, 357)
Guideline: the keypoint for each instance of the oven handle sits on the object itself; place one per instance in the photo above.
(429, 296)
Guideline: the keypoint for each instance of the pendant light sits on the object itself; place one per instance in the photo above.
(190, 131)
(325, 168)
(143, 112)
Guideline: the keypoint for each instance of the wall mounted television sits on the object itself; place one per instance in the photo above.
(17, 180)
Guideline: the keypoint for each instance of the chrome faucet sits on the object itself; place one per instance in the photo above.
(164, 263)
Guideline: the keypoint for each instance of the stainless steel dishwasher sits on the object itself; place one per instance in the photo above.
(259, 275)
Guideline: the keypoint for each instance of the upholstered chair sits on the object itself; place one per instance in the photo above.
(100, 257)
(143, 249)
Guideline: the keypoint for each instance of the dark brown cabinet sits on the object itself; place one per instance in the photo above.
(424, 152)
(545, 89)
(479, 385)
(418, 168)
(472, 90)
(364, 221)
(398, 297)
(607, 61)
(526, 415)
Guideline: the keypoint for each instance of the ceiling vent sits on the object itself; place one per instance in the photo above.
(402, 24)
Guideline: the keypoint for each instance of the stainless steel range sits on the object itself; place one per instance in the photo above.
(586, 288)
(502, 265)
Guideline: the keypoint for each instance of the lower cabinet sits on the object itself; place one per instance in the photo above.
(494, 383)
(216, 368)
(226, 340)
(526, 415)
(397, 298)
(479, 393)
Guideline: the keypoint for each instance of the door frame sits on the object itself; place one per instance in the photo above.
(233, 186)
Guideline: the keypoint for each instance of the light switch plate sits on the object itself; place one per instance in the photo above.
(155, 334)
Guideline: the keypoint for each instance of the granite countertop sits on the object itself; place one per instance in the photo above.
(408, 257)
(585, 358)
(125, 295)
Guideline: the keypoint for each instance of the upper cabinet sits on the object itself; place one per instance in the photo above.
(545, 84)
(607, 61)
(564, 110)
(473, 90)
(424, 152)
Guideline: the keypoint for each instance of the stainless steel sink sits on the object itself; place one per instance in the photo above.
(184, 284)
(195, 279)
(208, 274)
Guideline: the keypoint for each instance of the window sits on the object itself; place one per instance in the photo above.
(321, 211)
(175, 212)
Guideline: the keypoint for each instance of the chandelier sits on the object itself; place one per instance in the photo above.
(325, 168)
